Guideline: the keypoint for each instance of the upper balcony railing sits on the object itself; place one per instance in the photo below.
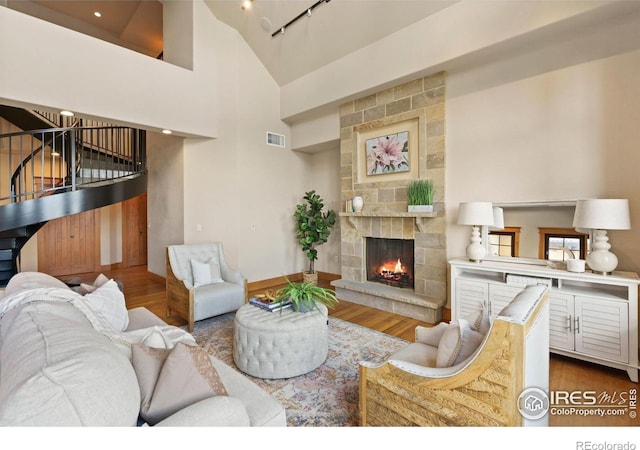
(41, 162)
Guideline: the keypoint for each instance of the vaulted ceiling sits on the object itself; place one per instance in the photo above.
(334, 29)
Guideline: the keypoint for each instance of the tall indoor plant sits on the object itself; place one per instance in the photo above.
(313, 227)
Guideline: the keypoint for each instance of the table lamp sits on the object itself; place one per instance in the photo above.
(600, 215)
(475, 214)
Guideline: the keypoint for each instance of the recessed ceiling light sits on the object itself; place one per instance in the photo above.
(97, 14)
(166, 131)
(66, 113)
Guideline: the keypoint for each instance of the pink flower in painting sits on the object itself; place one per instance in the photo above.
(387, 154)
(389, 151)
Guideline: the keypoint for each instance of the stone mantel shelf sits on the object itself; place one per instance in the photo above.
(419, 217)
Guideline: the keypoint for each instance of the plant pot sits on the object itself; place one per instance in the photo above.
(311, 278)
(420, 208)
(304, 308)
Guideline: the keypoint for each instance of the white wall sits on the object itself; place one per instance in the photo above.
(110, 234)
(96, 78)
(326, 182)
(165, 198)
(565, 133)
(425, 47)
(238, 189)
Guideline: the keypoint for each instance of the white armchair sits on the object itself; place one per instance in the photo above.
(462, 377)
(200, 283)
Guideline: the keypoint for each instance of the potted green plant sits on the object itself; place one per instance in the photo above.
(420, 196)
(313, 227)
(305, 296)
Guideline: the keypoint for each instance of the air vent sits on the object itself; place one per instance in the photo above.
(275, 139)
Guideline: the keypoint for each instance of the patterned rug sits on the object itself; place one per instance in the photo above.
(325, 397)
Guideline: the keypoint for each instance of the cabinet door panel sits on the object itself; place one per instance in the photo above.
(471, 296)
(500, 296)
(561, 318)
(602, 328)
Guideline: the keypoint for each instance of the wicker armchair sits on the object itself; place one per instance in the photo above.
(481, 390)
(188, 295)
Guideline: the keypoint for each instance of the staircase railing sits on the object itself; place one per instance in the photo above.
(41, 162)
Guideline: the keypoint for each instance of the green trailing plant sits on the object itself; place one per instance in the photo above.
(420, 192)
(313, 225)
(306, 296)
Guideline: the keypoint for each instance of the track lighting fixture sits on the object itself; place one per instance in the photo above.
(246, 4)
(306, 12)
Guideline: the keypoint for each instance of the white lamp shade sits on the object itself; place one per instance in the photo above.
(602, 214)
(475, 213)
(498, 219)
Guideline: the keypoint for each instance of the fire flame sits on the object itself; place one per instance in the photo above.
(391, 268)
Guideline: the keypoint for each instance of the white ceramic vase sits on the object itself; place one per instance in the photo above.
(358, 204)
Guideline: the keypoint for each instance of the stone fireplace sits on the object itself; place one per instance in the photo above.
(419, 287)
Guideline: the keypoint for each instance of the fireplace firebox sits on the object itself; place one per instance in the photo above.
(390, 261)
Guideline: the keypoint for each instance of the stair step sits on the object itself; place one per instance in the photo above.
(8, 243)
(6, 265)
(6, 255)
(16, 232)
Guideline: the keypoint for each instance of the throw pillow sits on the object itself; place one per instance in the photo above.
(172, 379)
(99, 281)
(205, 272)
(458, 342)
(108, 301)
(479, 321)
(216, 273)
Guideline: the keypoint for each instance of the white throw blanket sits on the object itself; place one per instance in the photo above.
(166, 336)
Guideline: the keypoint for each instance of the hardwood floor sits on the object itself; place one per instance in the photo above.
(566, 374)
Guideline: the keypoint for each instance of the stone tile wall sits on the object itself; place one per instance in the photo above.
(385, 201)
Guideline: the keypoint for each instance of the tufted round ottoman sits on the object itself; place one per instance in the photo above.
(279, 345)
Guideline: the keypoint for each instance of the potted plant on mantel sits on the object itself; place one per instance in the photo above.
(313, 227)
(306, 296)
(420, 196)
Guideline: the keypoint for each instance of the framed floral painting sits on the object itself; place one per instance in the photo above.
(388, 150)
(388, 154)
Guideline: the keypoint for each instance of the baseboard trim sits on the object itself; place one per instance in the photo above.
(446, 315)
(272, 283)
(328, 277)
(269, 283)
(108, 267)
(155, 277)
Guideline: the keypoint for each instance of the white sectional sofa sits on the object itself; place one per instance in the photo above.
(63, 362)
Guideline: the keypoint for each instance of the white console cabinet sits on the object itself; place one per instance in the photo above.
(592, 317)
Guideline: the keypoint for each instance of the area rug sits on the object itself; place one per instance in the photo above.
(325, 397)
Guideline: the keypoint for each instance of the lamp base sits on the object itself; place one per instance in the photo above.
(476, 251)
(601, 260)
